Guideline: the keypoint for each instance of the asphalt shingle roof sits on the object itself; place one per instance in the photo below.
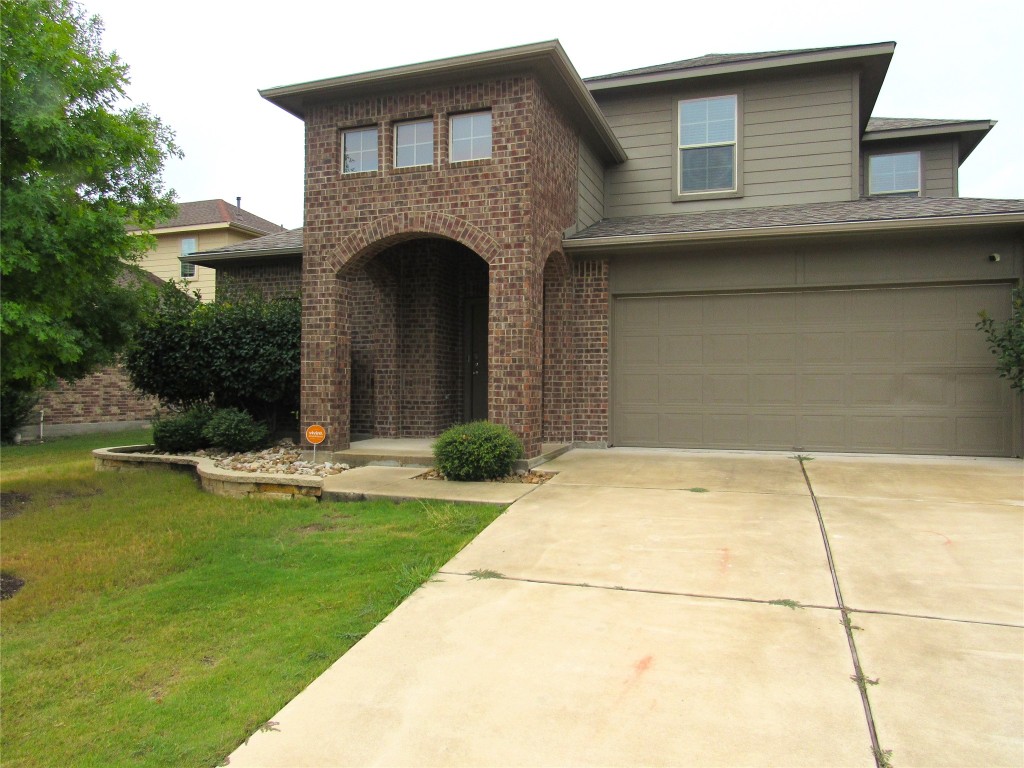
(709, 60)
(862, 210)
(218, 212)
(287, 241)
(903, 123)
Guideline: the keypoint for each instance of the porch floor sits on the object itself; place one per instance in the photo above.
(417, 452)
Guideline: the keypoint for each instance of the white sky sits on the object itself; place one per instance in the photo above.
(199, 65)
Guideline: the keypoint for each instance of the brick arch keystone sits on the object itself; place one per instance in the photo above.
(379, 234)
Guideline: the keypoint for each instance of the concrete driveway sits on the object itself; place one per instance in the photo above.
(680, 608)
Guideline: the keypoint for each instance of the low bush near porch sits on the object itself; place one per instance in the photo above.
(159, 625)
(479, 450)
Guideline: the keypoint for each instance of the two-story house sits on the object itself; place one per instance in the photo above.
(722, 252)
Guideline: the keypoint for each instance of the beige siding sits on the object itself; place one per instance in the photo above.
(798, 146)
(163, 261)
(590, 188)
(938, 163)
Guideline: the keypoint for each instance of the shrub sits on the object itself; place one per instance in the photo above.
(236, 431)
(182, 433)
(1006, 340)
(240, 353)
(479, 450)
(17, 400)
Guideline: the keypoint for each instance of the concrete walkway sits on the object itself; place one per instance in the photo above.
(683, 608)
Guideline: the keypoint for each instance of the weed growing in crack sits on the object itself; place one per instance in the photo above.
(788, 603)
(883, 757)
(801, 458)
(484, 573)
(697, 490)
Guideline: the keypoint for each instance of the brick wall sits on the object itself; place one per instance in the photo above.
(509, 210)
(591, 310)
(272, 278)
(104, 396)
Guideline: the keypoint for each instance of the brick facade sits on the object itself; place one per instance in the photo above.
(104, 396)
(272, 279)
(370, 236)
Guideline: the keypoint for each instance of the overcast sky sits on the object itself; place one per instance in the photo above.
(198, 64)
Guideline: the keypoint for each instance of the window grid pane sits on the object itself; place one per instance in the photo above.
(707, 144)
(360, 152)
(471, 137)
(414, 144)
(188, 247)
(894, 174)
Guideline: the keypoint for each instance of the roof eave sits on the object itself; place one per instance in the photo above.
(744, 67)
(547, 58)
(970, 134)
(618, 242)
(215, 259)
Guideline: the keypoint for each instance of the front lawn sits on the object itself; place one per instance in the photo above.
(160, 625)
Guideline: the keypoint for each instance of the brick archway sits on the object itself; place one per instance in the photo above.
(382, 233)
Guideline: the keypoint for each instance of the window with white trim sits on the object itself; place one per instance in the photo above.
(895, 174)
(359, 150)
(189, 245)
(470, 136)
(414, 144)
(707, 145)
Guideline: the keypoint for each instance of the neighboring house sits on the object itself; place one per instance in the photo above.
(201, 225)
(723, 252)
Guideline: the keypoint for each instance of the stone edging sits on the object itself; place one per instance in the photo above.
(213, 479)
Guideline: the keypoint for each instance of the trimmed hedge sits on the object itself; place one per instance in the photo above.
(479, 450)
(182, 433)
(235, 431)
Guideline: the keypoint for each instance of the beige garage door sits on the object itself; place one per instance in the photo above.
(895, 370)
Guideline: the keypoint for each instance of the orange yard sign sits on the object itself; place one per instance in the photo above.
(315, 434)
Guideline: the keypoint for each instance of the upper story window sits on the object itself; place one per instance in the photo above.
(360, 150)
(707, 145)
(896, 174)
(189, 245)
(414, 144)
(470, 136)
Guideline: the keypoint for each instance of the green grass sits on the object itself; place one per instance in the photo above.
(160, 625)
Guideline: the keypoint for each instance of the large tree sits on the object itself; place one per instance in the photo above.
(78, 164)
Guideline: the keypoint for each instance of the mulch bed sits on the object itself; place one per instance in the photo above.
(533, 477)
(9, 585)
(12, 504)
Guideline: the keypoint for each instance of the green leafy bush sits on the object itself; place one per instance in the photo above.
(17, 399)
(479, 450)
(236, 431)
(1006, 340)
(182, 433)
(239, 353)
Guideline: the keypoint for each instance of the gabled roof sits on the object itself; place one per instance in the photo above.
(547, 60)
(284, 244)
(969, 133)
(863, 215)
(205, 212)
(871, 60)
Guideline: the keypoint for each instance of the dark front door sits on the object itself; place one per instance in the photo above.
(475, 398)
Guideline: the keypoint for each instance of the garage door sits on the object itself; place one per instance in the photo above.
(898, 370)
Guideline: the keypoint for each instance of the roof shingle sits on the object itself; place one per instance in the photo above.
(202, 212)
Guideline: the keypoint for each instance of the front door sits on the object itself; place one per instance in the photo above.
(475, 335)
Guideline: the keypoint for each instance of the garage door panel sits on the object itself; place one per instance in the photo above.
(888, 370)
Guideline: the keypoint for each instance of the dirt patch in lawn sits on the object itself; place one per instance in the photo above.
(533, 477)
(9, 585)
(13, 504)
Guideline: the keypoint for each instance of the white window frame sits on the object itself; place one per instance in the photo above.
(188, 271)
(735, 189)
(916, 190)
(451, 136)
(362, 152)
(410, 123)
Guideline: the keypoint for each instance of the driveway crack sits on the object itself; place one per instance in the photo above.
(881, 756)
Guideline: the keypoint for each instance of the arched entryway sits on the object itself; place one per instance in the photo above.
(417, 316)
